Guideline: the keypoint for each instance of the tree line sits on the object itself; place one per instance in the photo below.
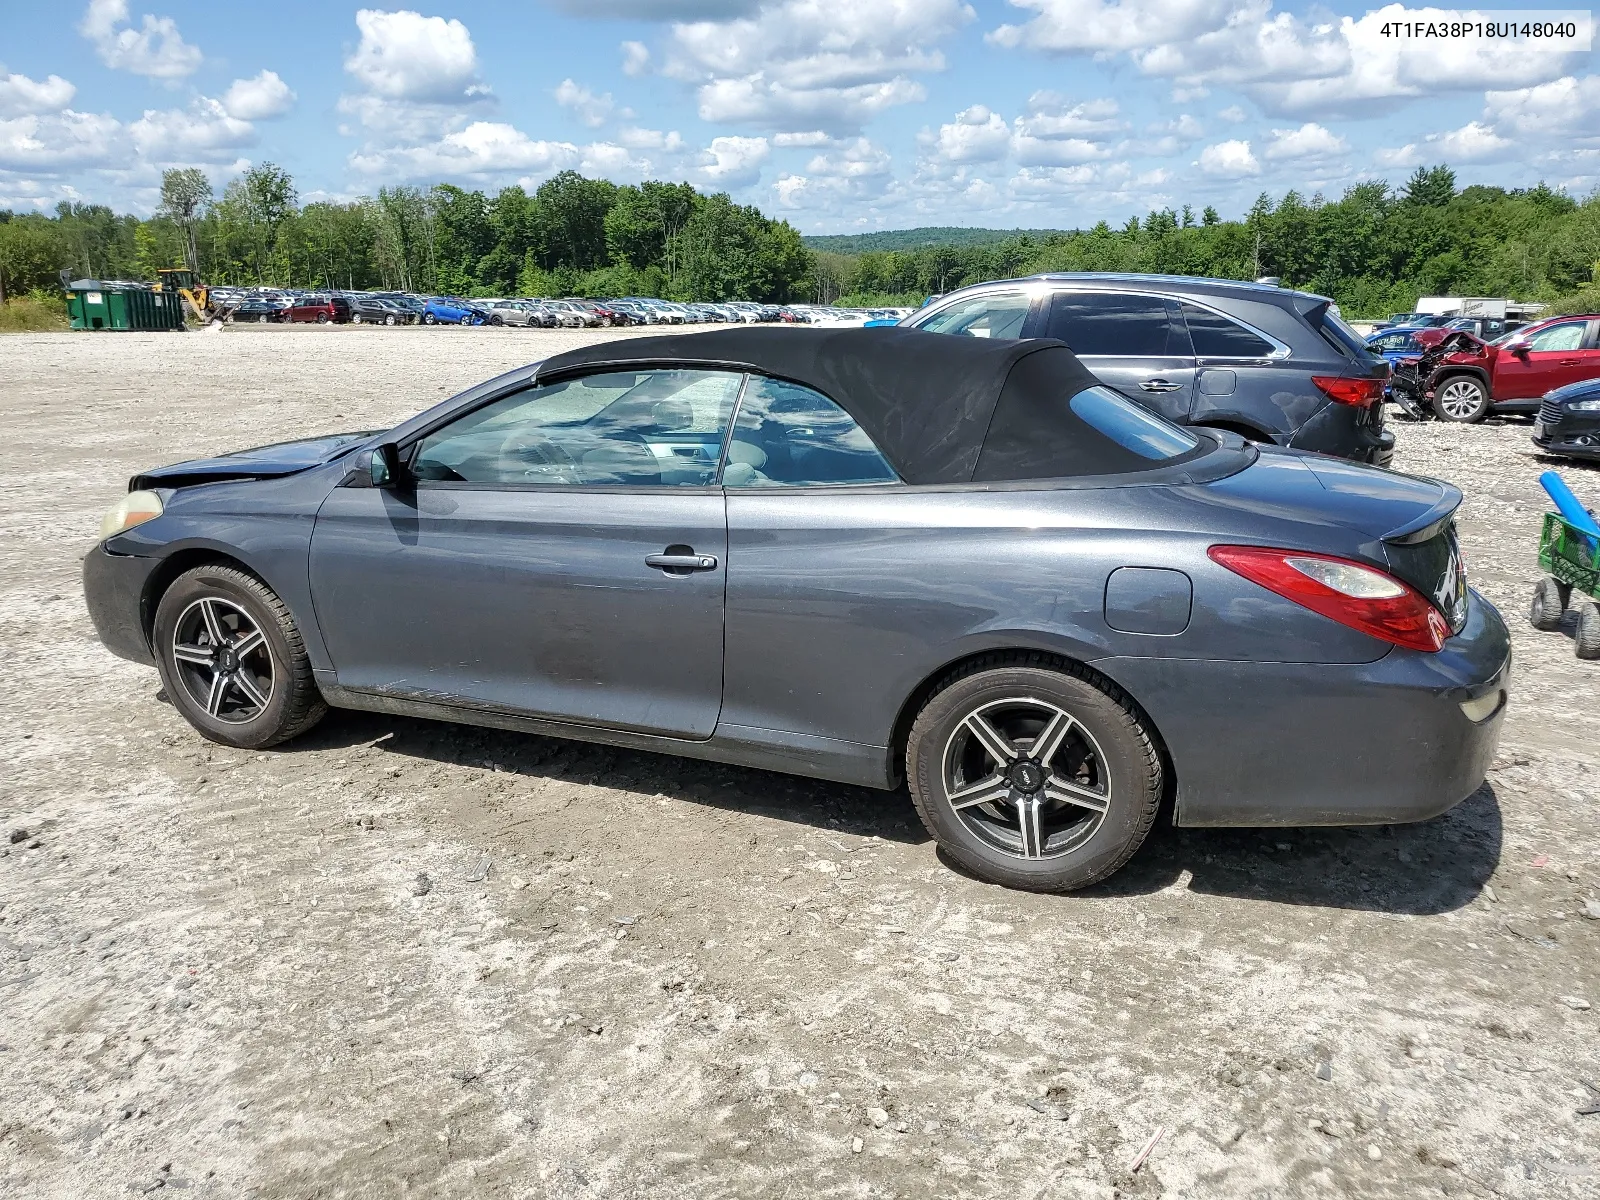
(1375, 249)
(571, 236)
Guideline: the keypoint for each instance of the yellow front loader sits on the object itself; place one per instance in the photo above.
(196, 296)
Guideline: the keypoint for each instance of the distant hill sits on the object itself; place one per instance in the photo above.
(916, 239)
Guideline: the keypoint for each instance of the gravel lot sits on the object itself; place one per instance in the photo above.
(685, 980)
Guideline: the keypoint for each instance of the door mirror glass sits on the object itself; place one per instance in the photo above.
(386, 468)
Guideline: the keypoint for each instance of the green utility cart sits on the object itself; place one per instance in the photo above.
(125, 306)
(1572, 558)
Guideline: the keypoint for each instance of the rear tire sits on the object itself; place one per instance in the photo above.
(233, 686)
(389, 320)
(1044, 818)
(355, 319)
(322, 318)
(1549, 604)
(1461, 399)
(428, 319)
(1587, 643)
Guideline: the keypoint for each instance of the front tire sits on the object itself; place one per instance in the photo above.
(1461, 399)
(1549, 604)
(389, 320)
(232, 659)
(1032, 774)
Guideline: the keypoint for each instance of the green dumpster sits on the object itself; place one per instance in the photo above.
(126, 306)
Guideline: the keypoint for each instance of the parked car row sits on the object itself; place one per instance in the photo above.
(1549, 368)
(283, 306)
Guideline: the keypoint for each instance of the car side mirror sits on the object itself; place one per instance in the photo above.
(1520, 349)
(387, 469)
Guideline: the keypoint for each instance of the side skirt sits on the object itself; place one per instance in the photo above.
(737, 745)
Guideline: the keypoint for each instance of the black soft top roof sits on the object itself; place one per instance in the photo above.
(942, 408)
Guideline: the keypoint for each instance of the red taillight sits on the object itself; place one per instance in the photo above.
(1351, 593)
(1358, 391)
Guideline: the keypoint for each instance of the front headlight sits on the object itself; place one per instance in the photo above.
(133, 509)
(1584, 406)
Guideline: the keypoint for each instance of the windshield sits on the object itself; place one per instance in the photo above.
(1131, 427)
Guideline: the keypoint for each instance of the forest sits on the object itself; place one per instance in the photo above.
(1375, 249)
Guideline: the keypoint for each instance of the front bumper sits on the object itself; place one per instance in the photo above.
(1284, 744)
(1574, 437)
(114, 588)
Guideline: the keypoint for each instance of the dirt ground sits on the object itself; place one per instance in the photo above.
(221, 971)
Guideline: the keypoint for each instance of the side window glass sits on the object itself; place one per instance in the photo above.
(790, 436)
(1112, 323)
(1566, 336)
(997, 316)
(1217, 337)
(627, 428)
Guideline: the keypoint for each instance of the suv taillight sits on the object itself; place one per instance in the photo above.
(1358, 391)
(1350, 593)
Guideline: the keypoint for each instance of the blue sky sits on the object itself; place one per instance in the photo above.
(840, 115)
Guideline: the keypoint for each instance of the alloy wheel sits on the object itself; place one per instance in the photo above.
(222, 660)
(1026, 777)
(1460, 398)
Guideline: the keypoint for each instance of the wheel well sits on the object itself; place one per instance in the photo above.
(900, 733)
(1448, 374)
(171, 567)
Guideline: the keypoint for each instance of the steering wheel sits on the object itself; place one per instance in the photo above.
(541, 458)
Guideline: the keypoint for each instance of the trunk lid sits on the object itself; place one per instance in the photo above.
(1412, 518)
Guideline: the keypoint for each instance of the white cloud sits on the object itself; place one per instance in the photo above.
(858, 158)
(259, 98)
(61, 141)
(1473, 142)
(1399, 156)
(1565, 106)
(407, 56)
(651, 139)
(635, 58)
(20, 95)
(758, 101)
(1289, 65)
(1233, 113)
(1310, 141)
(798, 64)
(659, 10)
(732, 162)
(976, 135)
(156, 49)
(205, 131)
(483, 148)
(1101, 26)
(1229, 160)
(594, 111)
(807, 138)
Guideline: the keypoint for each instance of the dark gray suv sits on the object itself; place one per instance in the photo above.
(1272, 364)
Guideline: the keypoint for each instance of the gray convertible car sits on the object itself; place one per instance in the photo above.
(861, 555)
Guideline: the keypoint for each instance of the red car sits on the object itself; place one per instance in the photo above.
(321, 309)
(1465, 379)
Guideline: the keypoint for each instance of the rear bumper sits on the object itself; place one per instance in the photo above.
(1283, 744)
(114, 590)
(1345, 432)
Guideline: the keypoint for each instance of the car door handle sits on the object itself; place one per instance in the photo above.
(1160, 385)
(681, 562)
(1570, 362)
